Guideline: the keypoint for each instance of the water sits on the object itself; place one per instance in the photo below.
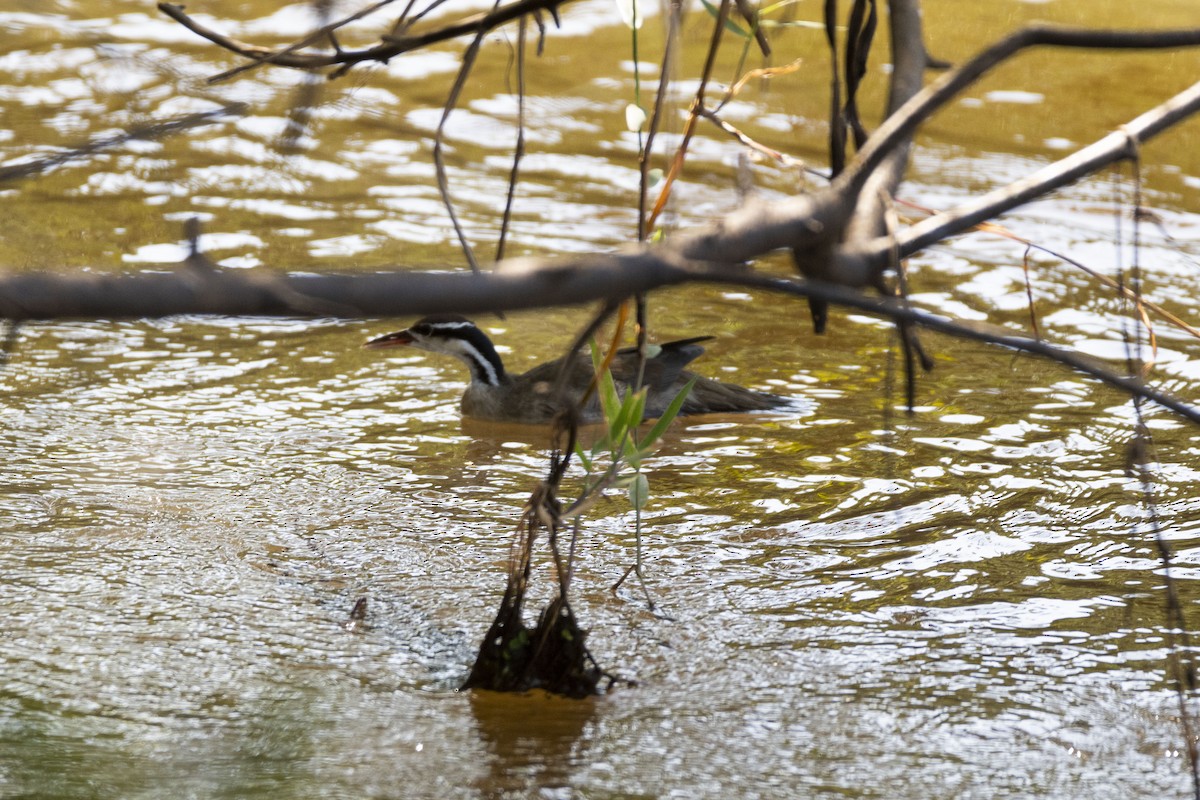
(964, 602)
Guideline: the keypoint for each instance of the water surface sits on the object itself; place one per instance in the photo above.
(964, 602)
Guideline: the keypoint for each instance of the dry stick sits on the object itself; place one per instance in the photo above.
(1130, 385)
(519, 149)
(568, 423)
(1113, 147)
(1184, 672)
(439, 161)
(424, 12)
(1133, 351)
(656, 116)
(156, 130)
(689, 126)
(783, 158)
(1033, 320)
(402, 22)
(860, 33)
(324, 32)
(750, 14)
(756, 74)
(387, 49)
(837, 123)
(299, 112)
(713, 115)
(560, 382)
(909, 344)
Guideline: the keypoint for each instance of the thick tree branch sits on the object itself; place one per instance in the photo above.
(518, 284)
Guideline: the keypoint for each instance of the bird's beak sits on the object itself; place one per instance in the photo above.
(389, 340)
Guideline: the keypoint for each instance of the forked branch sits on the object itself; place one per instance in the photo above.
(387, 48)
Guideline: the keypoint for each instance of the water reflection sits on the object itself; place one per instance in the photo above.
(532, 739)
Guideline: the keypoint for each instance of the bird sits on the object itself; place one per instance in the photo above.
(496, 395)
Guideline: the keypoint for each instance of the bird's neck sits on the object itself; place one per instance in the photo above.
(477, 352)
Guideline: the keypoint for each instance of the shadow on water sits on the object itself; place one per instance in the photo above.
(532, 739)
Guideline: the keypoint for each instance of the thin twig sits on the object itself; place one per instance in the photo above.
(388, 48)
(656, 117)
(439, 160)
(324, 32)
(519, 148)
(689, 127)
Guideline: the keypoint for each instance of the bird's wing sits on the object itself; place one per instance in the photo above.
(664, 368)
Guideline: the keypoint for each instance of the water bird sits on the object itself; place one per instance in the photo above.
(495, 395)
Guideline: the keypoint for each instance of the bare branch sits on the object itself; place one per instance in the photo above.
(1118, 145)
(900, 126)
(689, 127)
(870, 256)
(519, 284)
(388, 48)
(439, 139)
(519, 145)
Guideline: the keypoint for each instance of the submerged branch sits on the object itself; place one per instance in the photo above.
(152, 131)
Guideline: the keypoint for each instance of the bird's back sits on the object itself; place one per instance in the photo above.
(529, 397)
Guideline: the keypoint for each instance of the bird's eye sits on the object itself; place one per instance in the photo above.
(421, 330)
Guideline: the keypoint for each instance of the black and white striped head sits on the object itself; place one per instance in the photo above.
(453, 335)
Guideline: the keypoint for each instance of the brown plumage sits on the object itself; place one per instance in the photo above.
(493, 394)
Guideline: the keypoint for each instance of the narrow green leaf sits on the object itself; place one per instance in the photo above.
(610, 401)
(668, 416)
(730, 25)
(638, 410)
(605, 388)
(762, 12)
(584, 459)
(639, 491)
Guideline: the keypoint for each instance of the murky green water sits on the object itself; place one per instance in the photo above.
(963, 605)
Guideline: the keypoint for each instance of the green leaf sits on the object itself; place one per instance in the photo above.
(668, 416)
(639, 491)
(610, 401)
(637, 409)
(584, 459)
(730, 25)
(777, 6)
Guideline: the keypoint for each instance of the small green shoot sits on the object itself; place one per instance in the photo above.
(622, 446)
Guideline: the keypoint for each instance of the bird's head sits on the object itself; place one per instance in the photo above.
(451, 334)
